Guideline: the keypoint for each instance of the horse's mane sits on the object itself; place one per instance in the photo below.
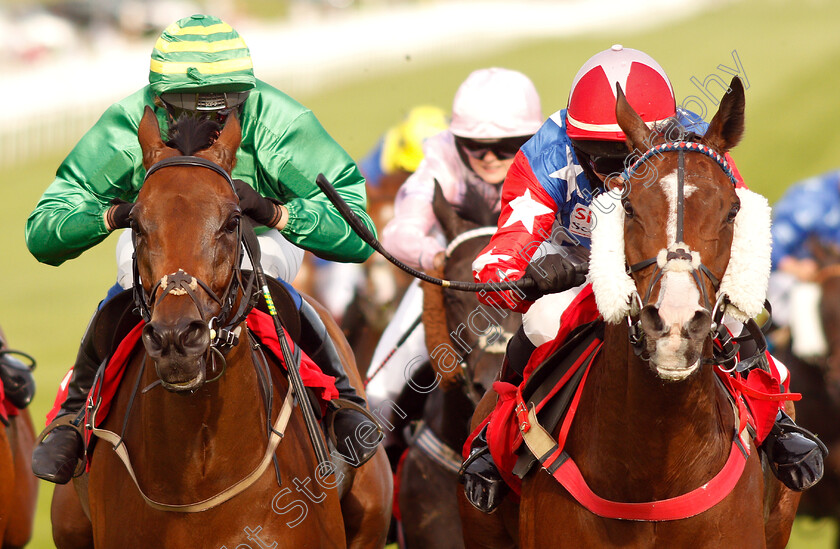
(191, 134)
(475, 209)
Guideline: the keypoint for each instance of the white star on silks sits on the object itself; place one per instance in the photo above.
(568, 173)
(525, 209)
(486, 259)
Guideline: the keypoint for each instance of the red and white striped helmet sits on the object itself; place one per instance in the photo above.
(590, 113)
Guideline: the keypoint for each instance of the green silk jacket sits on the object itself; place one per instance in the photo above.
(283, 149)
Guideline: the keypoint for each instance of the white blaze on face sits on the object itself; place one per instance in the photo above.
(679, 296)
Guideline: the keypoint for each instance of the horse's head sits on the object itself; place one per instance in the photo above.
(692, 243)
(186, 231)
(484, 330)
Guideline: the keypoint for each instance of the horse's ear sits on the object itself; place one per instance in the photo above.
(727, 126)
(223, 151)
(149, 136)
(450, 221)
(637, 132)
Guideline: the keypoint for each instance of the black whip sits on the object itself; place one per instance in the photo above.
(365, 234)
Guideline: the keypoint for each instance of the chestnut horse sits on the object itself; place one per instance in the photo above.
(195, 438)
(656, 425)
(428, 477)
(18, 487)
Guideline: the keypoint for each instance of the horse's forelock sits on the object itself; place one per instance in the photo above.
(191, 134)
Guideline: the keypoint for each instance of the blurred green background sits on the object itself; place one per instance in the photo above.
(790, 52)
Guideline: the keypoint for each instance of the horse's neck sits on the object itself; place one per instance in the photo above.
(628, 415)
(193, 438)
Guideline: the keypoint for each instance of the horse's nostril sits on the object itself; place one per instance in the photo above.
(195, 337)
(152, 340)
(652, 323)
(699, 325)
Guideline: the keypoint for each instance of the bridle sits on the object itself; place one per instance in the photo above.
(223, 335)
(725, 348)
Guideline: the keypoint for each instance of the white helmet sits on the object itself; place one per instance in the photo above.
(496, 103)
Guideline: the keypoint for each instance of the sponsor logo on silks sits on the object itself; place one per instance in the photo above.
(581, 221)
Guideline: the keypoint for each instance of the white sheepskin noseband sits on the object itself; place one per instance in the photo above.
(612, 286)
(745, 281)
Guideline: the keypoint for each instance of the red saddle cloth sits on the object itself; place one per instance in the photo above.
(260, 324)
(759, 395)
(7, 409)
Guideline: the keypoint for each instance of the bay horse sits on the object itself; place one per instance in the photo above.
(200, 447)
(428, 474)
(18, 486)
(818, 380)
(656, 425)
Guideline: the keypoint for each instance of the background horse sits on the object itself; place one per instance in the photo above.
(818, 379)
(649, 430)
(18, 487)
(428, 479)
(200, 438)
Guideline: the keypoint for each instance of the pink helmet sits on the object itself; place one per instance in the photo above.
(590, 113)
(496, 103)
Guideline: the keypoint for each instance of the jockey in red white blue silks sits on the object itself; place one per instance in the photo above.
(808, 209)
(546, 197)
(494, 111)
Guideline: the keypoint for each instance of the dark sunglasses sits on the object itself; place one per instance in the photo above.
(503, 149)
(606, 165)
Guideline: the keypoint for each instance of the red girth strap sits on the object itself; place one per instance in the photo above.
(561, 466)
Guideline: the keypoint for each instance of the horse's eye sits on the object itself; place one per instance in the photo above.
(135, 227)
(232, 224)
(628, 208)
(733, 212)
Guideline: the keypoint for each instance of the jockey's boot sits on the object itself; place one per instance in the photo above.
(18, 383)
(317, 343)
(483, 485)
(57, 456)
(795, 454)
(518, 352)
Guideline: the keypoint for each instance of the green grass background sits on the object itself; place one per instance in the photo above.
(790, 52)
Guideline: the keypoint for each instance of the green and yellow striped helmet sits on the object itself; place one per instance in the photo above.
(201, 53)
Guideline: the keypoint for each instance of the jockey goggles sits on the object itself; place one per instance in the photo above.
(604, 157)
(215, 106)
(503, 149)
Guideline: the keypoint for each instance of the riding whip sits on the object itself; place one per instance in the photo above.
(365, 234)
(292, 362)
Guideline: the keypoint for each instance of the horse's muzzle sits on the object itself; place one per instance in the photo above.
(178, 350)
(675, 350)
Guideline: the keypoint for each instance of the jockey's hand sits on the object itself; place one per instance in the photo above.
(259, 208)
(558, 272)
(117, 216)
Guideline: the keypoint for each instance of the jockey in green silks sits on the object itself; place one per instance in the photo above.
(201, 66)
